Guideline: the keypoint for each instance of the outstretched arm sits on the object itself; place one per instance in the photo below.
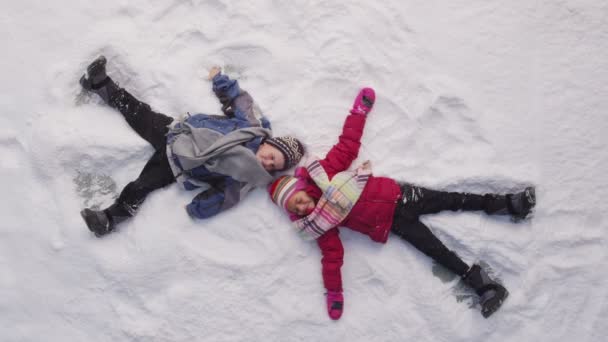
(236, 102)
(333, 257)
(346, 150)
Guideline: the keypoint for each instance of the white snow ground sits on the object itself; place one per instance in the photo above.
(473, 95)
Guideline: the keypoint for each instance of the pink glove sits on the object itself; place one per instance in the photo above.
(335, 304)
(364, 101)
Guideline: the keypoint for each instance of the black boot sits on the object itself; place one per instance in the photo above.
(491, 294)
(517, 205)
(98, 81)
(97, 221)
(520, 204)
(101, 222)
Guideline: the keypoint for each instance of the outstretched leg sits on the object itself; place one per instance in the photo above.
(421, 201)
(421, 237)
(491, 294)
(150, 125)
(155, 175)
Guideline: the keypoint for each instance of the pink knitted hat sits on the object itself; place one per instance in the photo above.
(283, 188)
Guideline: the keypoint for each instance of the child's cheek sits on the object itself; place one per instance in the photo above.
(309, 210)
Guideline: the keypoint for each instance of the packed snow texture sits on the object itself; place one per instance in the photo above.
(472, 95)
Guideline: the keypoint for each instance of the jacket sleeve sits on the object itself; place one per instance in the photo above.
(333, 256)
(217, 199)
(236, 102)
(346, 150)
(206, 204)
(225, 89)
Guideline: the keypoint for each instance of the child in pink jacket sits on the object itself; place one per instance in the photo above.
(324, 195)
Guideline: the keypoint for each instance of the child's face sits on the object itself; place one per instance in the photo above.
(300, 203)
(270, 157)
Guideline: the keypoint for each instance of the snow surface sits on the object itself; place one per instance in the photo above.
(473, 95)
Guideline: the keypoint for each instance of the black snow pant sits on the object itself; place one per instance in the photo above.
(152, 127)
(418, 201)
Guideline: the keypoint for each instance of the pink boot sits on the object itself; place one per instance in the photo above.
(364, 101)
(335, 304)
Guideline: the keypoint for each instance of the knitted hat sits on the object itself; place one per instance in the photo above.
(283, 188)
(290, 147)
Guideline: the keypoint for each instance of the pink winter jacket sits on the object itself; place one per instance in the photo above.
(373, 213)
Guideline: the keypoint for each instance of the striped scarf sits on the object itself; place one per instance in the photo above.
(339, 196)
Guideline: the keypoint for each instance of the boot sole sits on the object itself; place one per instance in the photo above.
(530, 193)
(489, 312)
(85, 81)
(84, 217)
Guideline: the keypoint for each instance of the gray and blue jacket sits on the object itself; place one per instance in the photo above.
(219, 190)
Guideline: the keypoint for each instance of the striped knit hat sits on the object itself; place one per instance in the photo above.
(291, 148)
(283, 188)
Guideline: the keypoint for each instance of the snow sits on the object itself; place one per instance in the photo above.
(473, 95)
